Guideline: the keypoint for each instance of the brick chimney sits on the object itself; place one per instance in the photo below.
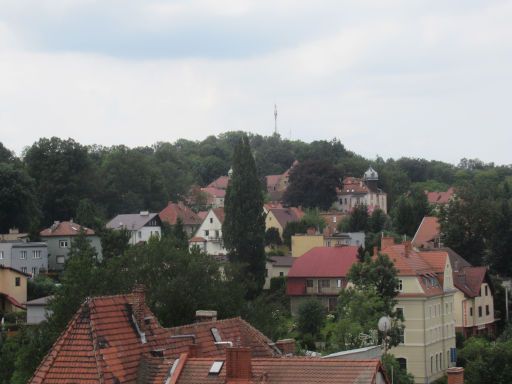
(286, 346)
(407, 248)
(386, 241)
(455, 375)
(238, 363)
(138, 305)
(205, 316)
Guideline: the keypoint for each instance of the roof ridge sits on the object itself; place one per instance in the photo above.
(94, 346)
(203, 322)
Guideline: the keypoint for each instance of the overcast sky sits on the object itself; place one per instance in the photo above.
(391, 78)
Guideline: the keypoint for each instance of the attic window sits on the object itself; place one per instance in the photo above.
(102, 342)
(216, 367)
(216, 335)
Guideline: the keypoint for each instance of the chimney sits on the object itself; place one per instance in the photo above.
(286, 346)
(407, 248)
(138, 305)
(375, 250)
(386, 241)
(455, 375)
(205, 316)
(238, 363)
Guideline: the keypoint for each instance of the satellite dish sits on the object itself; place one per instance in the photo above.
(384, 324)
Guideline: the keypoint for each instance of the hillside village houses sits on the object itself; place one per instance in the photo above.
(355, 191)
(209, 235)
(141, 226)
(59, 236)
(25, 256)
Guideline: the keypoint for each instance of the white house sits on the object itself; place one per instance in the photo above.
(141, 226)
(209, 235)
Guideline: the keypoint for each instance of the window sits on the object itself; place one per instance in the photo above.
(400, 312)
(437, 362)
(24, 269)
(403, 363)
(479, 311)
(333, 301)
(402, 335)
(64, 243)
(217, 234)
(60, 259)
(34, 270)
(486, 291)
(325, 283)
(400, 285)
(216, 368)
(1, 254)
(36, 254)
(441, 360)
(139, 234)
(281, 274)
(487, 312)
(338, 283)
(431, 364)
(471, 311)
(23, 255)
(216, 335)
(206, 232)
(17, 281)
(211, 220)
(309, 283)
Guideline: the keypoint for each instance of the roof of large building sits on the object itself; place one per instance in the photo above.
(131, 221)
(108, 340)
(440, 197)
(427, 232)
(286, 215)
(65, 228)
(173, 211)
(324, 262)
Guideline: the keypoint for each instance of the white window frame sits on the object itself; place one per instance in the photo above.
(23, 255)
(1, 255)
(63, 244)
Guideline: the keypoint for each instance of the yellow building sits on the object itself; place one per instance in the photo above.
(301, 243)
(279, 217)
(13, 289)
(427, 303)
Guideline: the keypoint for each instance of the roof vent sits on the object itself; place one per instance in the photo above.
(144, 213)
(102, 342)
(157, 353)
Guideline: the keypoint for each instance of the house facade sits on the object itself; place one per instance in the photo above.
(13, 289)
(141, 226)
(27, 257)
(277, 266)
(357, 191)
(426, 301)
(303, 242)
(279, 217)
(37, 310)
(58, 238)
(341, 239)
(209, 235)
(320, 273)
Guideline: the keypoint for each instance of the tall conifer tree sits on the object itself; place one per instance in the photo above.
(243, 229)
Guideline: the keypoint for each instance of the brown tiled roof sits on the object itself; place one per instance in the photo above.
(286, 215)
(202, 214)
(220, 183)
(219, 212)
(214, 192)
(173, 211)
(427, 232)
(352, 185)
(65, 228)
(292, 370)
(440, 197)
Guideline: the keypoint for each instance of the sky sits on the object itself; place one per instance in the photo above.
(389, 78)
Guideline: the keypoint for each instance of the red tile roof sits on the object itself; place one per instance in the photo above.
(219, 212)
(220, 183)
(202, 214)
(65, 228)
(101, 344)
(324, 262)
(440, 197)
(352, 185)
(173, 211)
(428, 231)
(214, 192)
(290, 370)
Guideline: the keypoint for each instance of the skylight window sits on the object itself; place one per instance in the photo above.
(216, 367)
(216, 335)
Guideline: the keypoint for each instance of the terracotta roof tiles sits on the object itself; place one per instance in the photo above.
(173, 211)
(65, 228)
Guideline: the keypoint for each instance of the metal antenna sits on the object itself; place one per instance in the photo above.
(275, 119)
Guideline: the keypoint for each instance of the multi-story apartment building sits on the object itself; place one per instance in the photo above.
(427, 303)
(59, 237)
(27, 257)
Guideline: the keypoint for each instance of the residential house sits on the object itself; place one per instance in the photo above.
(340, 239)
(279, 217)
(59, 237)
(332, 220)
(426, 301)
(474, 297)
(37, 310)
(174, 211)
(277, 184)
(320, 273)
(116, 339)
(27, 257)
(428, 234)
(277, 266)
(13, 289)
(141, 226)
(214, 197)
(365, 191)
(209, 235)
(440, 198)
(14, 235)
(303, 242)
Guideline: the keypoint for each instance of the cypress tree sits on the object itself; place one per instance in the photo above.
(243, 230)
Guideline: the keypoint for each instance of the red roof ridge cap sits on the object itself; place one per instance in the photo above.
(177, 372)
(99, 360)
